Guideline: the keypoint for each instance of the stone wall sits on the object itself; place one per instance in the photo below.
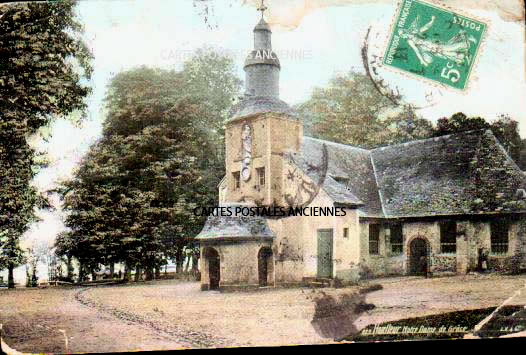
(511, 261)
(288, 248)
(443, 263)
(296, 248)
(386, 262)
(238, 264)
(272, 135)
(471, 237)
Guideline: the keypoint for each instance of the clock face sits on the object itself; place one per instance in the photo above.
(246, 142)
(245, 173)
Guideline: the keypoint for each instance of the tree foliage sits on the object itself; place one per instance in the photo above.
(43, 75)
(505, 129)
(351, 111)
(132, 198)
(11, 255)
(522, 155)
(45, 63)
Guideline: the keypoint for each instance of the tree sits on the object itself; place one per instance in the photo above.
(44, 62)
(507, 132)
(351, 111)
(17, 198)
(522, 156)
(459, 122)
(11, 255)
(505, 129)
(65, 247)
(44, 65)
(211, 77)
(131, 199)
(37, 252)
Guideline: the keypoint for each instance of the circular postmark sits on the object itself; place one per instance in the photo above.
(306, 179)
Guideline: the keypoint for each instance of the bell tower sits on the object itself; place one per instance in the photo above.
(262, 128)
(262, 65)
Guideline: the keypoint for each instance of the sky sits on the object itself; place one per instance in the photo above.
(314, 40)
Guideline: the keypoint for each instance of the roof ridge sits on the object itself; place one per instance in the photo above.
(485, 130)
(378, 190)
(432, 138)
(338, 144)
(505, 152)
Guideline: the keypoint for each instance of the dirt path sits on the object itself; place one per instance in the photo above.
(190, 338)
(267, 317)
(56, 315)
(172, 314)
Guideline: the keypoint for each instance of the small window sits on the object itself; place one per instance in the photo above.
(346, 233)
(261, 176)
(237, 180)
(396, 239)
(374, 239)
(499, 237)
(448, 237)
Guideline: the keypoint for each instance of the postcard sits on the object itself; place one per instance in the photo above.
(242, 173)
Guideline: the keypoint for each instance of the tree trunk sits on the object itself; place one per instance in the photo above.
(127, 272)
(148, 273)
(126, 275)
(70, 267)
(112, 269)
(187, 265)
(34, 280)
(93, 275)
(195, 262)
(179, 260)
(138, 273)
(28, 277)
(82, 271)
(10, 277)
(158, 272)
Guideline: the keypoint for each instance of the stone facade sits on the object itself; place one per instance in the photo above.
(472, 236)
(238, 264)
(296, 244)
(396, 200)
(272, 136)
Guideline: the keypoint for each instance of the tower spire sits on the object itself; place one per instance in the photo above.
(262, 65)
(262, 69)
(262, 8)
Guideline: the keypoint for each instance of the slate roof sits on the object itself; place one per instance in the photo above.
(236, 227)
(465, 173)
(262, 26)
(251, 105)
(349, 179)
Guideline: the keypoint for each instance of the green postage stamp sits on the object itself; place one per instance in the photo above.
(435, 43)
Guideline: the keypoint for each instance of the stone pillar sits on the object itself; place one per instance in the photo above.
(462, 247)
(203, 266)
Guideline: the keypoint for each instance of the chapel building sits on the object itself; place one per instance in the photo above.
(451, 204)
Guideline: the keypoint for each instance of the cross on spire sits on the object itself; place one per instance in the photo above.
(262, 8)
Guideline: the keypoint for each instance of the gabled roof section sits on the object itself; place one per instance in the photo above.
(464, 173)
(254, 105)
(350, 178)
(339, 193)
